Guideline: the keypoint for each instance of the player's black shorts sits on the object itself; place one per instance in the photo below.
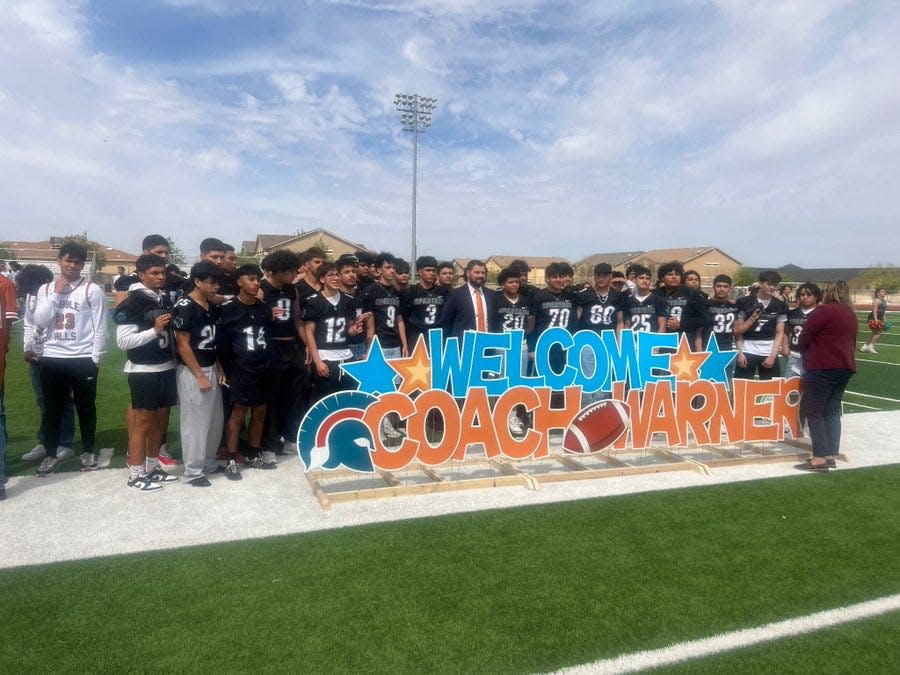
(287, 354)
(151, 391)
(246, 383)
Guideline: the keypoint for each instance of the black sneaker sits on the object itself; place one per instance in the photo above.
(261, 462)
(199, 481)
(48, 466)
(831, 463)
(232, 472)
(160, 475)
(144, 484)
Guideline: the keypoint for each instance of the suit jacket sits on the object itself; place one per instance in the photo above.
(459, 311)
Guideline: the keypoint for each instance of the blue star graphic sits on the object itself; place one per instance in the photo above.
(375, 375)
(716, 364)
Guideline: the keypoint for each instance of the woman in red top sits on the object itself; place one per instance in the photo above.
(827, 343)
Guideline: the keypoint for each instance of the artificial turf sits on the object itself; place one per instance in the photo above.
(516, 590)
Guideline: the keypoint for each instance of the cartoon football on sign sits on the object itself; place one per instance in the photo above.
(596, 427)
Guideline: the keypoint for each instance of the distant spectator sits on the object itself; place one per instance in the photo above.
(876, 320)
(828, 346)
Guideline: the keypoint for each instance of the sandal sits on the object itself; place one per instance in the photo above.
(809, 466)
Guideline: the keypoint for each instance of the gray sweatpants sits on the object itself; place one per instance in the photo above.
(201, 422)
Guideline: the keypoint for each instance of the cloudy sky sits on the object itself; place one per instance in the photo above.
(769, 129)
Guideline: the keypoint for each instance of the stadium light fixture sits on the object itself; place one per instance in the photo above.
(415, 117)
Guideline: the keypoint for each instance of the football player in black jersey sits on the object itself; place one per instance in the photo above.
(644, 311)
(143, 331)
(422, 305)
(760, 330)
(685, 308)
(383, 301)
(285, 384)
(402, 273)
(600, 307)
(311, 259)
(365, 260)
(446, 274)
(347, 266)
(244, 333)
(809, 295)
(721, 317)
(554, 307)
(330, 317)
(692, 281)
(228, 288)
(199, 373)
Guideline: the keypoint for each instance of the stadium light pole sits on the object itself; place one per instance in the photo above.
(415, 117)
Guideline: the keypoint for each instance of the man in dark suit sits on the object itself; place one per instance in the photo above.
(469, 306)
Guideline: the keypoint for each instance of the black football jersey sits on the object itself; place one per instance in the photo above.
(509, 315)
(421, 307)
(200, 323)
(228, 285)
(765, 326)
(384, 302)
(643, 314)
(795, 320)
(598, 312)
(285, 299)
(243, 330)
(142, 309)
(554, 310)
(721, 317)
(332, 321)
(685, 305)
(304, 293)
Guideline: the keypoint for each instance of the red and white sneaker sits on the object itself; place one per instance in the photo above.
(165, 458)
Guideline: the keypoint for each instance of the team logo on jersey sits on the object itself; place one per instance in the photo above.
(655, 384)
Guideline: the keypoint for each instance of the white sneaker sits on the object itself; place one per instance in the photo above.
(268, 457)
(864, 347)
(515, 424)
(88, 461)
(36, 453)
(63, 452)
(872, 349)
(389, 430)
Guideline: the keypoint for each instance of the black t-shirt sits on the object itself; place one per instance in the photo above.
(284, 298)
(795, 320)
(200, 324)
(332, 320)
(142, 309)
(643, 314)
(421, 308)
(243, 331)
(509, 315)
(764, 327)
(721, 317)
(304, 293)
(598, 312)
(384, 302)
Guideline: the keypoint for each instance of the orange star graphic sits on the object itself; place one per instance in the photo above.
(415, 369)
(685, 364)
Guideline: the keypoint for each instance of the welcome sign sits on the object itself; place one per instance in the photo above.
(657, 387)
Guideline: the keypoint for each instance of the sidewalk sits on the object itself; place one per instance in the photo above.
(81, 515)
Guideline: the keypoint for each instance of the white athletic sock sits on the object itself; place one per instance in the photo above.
(134, 471)
(152, 463)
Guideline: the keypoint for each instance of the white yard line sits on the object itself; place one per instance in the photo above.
(880, 398)
(886, 363)
(693, 649)
(860, 405)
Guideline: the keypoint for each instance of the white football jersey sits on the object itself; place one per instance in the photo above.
(74, 322)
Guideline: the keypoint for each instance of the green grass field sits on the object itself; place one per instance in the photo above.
(514, 590)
